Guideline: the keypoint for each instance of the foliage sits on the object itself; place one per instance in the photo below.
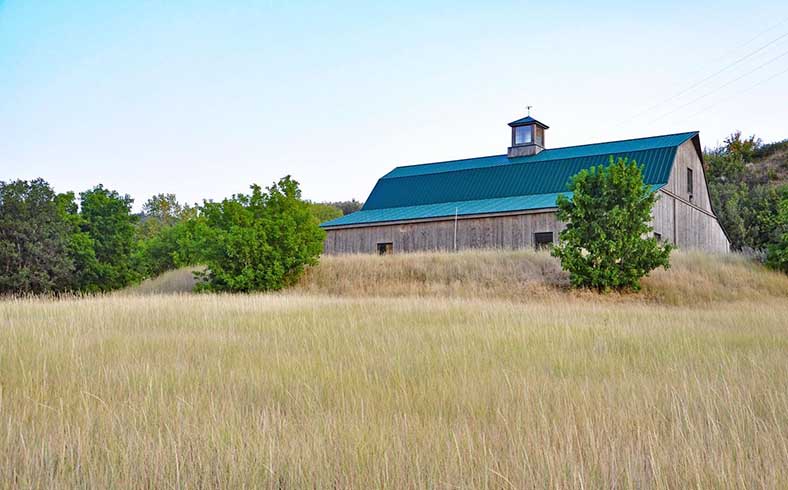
(346, 207)
(325, 212)
(170, 234)
(606, 244)
(34, 239)
(745, 189)
(106, 218)
(777, 257)
(261, 241)
(159, 212)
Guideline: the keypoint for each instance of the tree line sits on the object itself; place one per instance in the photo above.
(748, 186)
(92, 242)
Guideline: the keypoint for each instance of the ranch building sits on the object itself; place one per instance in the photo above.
(509, 201)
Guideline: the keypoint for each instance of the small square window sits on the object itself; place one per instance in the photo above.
(386, 248)
(543, 240)
(523, 135)
(658, 236)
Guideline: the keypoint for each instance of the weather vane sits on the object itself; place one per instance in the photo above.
(529, 109)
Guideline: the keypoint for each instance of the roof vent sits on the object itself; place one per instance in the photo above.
(527, 137)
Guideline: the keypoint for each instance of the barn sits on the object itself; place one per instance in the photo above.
(508, 201)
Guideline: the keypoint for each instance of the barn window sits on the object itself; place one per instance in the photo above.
(689, 182)
(543, 240)
(386, 248)
(523, 135)
(658, 236)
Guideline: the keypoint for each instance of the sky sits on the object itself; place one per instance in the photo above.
(204, 98)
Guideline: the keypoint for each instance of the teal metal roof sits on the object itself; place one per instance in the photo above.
(498, 184)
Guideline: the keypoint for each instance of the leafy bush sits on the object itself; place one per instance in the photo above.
(259, 242)
(607, 244)
(777, 257)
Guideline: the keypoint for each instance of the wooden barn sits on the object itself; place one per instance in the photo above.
(509, 201)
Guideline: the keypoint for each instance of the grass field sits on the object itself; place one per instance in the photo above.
(475, 370)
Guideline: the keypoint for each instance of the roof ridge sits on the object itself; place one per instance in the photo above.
(524, 159)
(625, 140)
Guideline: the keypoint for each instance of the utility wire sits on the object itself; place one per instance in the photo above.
(753, 38)
(699, 82)
(720, 87)
(757, 84)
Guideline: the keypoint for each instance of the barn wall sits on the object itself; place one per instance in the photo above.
(687, 157)
(688, 223)
(687, 226)
(508, 232)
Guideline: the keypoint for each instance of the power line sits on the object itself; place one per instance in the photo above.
(699, 82)
(740, 92)
(753, 38)
(720, 87)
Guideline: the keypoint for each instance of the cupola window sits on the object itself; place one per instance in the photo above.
(523, 135)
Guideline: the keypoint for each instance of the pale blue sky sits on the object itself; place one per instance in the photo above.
(202, 98)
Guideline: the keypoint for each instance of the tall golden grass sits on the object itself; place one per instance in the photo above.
(405, 372)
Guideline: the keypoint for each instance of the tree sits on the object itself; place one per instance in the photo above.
(325, 212)
(159, 212)
(777, 257)
(744, 197)
(346, 207)
(106, 218)
(259, 242)
(34, 239)
(607, 244)
(179, 245)
(742, 148)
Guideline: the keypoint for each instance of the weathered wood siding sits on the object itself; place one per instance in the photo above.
(684, 223)
(687, 157)
(510, 232)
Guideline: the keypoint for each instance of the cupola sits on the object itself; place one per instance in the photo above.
(527, 137)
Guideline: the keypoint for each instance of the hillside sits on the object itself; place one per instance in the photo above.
(770, 164)
(512, 276)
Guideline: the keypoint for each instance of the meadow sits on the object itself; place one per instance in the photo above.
(469, 370)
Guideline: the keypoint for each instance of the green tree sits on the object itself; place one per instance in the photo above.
(34, 239)
(607, 244)
(744, 148)
(107, 220)
(346, 207)
(261, 241)
(159, 212)
(777, 257)
(179, 245)
(325, 212)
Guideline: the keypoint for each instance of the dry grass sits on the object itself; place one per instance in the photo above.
(429, 389)
(526, 275)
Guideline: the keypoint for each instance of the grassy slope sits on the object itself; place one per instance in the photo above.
(513, 276)
(448, 379)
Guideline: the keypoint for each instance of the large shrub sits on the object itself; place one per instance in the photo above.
(607, 244)
(259, 242)
(777, 257)
(34, 239)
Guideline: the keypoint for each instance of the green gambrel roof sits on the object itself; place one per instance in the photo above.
(498, 184)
